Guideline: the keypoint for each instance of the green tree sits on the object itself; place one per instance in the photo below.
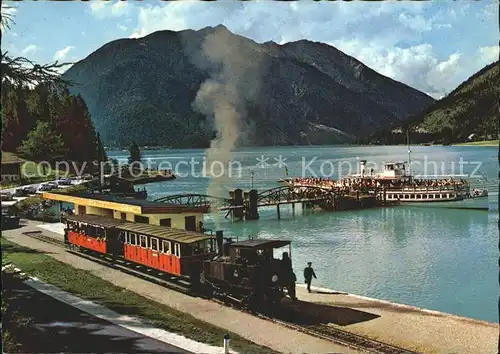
(42, 144)
(135, 153)
(101, 153)
(16, 120)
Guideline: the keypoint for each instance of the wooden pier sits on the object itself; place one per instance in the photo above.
(245, 205)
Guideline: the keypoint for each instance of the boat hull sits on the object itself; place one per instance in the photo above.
(474, 203)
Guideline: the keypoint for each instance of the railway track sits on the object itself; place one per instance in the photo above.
(323, 331)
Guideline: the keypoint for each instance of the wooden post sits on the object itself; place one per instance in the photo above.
(278, 210)
(293, 208)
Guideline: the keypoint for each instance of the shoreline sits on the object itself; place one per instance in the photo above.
(364, 316)
(486, 143)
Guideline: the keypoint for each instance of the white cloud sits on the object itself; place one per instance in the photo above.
(105, 9)
(30, 49)
(407, 41)
(488, 55)
(61, 54)
(416, 66)
(122, 27)
(416, 22)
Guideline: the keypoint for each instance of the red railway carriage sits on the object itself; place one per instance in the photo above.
(174, 251)
(91, 232)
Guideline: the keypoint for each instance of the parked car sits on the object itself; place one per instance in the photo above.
(6, 196)
(29, 189)
(53, 184)
(64, 181)
(9, 220)
(45, 187)
(20, 192)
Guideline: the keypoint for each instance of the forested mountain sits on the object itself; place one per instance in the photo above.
(44, 124)
(304, 93)
(472, 108)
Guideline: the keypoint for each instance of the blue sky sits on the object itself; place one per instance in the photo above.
(432, 46)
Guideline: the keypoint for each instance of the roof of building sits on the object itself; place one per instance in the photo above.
(11, 158)
(261, 243)
(181, 236)
(146, 206)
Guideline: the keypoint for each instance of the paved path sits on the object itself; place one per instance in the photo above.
(406, 326)
(265, 333)
(60, 328)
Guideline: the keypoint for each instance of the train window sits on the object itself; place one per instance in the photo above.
(177, 250)
(165, 247)
(133, 239)
(144, 241)
(154, 244)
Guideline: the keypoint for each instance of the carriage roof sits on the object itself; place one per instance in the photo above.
(168, 233)
(95, 220)
(261, 243)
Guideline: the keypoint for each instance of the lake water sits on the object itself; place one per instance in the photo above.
(435, 258)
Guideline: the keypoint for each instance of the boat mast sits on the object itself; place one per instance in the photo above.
(409, 151)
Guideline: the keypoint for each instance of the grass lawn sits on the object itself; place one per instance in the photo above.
(83, 284)
(480, 143)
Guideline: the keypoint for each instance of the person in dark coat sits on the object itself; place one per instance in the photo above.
(308, 275)
(289, 275)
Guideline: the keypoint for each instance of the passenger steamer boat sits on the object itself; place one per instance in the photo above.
(398, 184)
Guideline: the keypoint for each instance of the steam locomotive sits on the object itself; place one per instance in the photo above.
(245, 271)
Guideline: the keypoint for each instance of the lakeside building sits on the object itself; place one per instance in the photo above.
(177, 216)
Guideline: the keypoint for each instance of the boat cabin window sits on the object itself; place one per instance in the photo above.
(424, 196)
(154, 244)
(437, 196)
(400, 196)
(407, 196)
(165, 247)
(143, 241)
(412, 196)
(452, 195)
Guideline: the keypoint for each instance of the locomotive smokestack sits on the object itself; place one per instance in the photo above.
(219, 237)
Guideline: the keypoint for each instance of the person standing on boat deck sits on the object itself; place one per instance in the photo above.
(308, 275)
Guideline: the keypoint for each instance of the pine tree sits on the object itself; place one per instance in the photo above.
(101, 153)
(135, 153)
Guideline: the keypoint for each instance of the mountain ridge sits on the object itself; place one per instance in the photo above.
(294, 99)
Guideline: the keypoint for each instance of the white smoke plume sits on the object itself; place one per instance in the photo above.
(234, 77)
